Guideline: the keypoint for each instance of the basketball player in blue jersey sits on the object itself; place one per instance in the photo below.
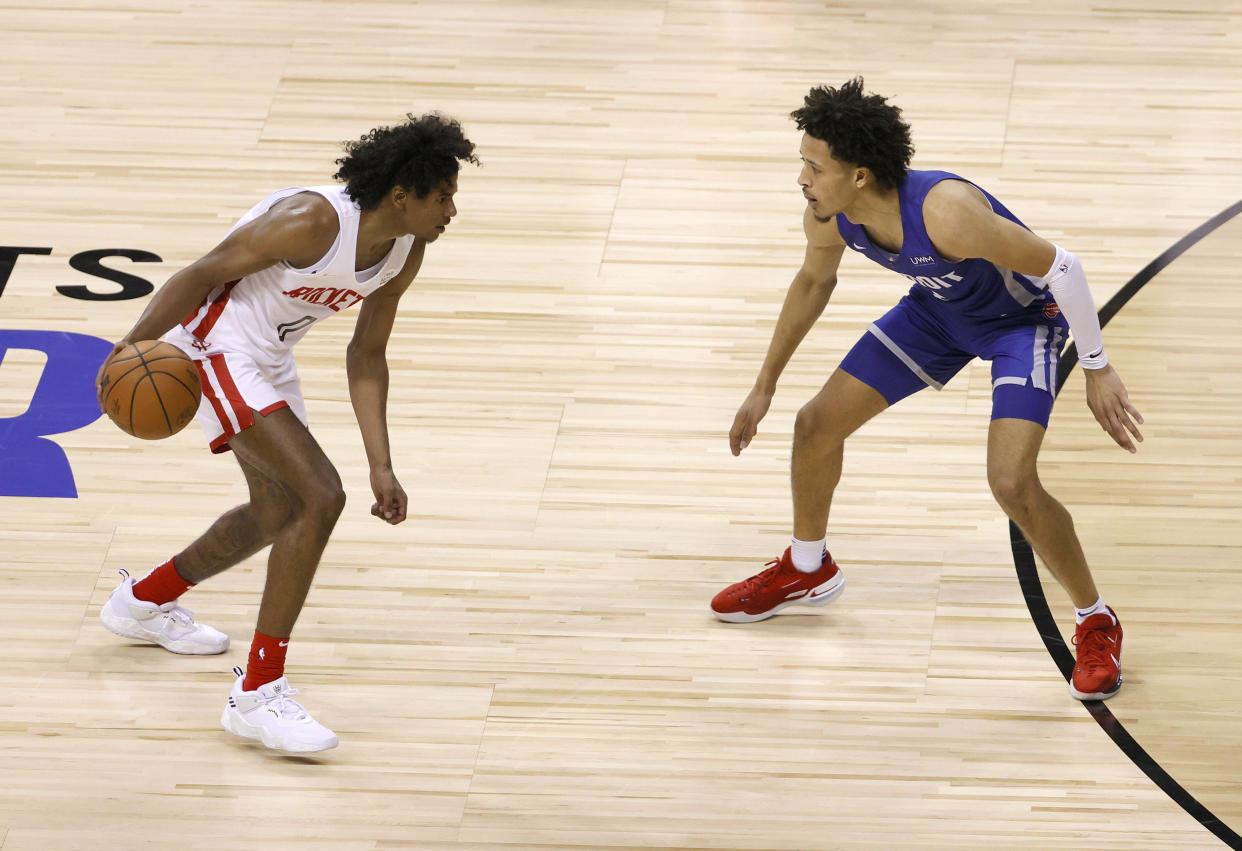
(983, 286)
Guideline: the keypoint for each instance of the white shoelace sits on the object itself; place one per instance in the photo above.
(287, 708)
(182, 616)
(179, 617)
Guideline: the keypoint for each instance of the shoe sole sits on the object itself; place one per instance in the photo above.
(118, 626)
(1099, 695)
(834, 587)
(232, 724)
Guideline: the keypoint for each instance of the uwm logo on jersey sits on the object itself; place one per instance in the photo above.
(333, 298)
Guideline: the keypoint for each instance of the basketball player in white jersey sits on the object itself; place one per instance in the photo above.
(298, 256)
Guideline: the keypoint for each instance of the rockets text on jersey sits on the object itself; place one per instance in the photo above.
(335, 299)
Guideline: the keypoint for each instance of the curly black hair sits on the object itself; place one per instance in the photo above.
(863, 129)
(418, 156)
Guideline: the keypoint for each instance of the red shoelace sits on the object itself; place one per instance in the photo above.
(1095, 648)
(761, 579)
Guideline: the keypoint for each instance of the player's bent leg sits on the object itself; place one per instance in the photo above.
(240, 532)
(1013, 446)
(822, 426)
(235, 536)
(840, 408)
(901, 353)
(284, 451)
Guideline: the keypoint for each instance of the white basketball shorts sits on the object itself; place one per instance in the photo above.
(236, 386)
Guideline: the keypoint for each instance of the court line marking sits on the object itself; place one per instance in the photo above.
(1033, 591)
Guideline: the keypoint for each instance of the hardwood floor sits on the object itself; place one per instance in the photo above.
(529, 661)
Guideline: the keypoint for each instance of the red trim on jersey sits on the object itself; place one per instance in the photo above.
(221, 444)
(275, 407)
(185, 323)
(223, 417)
(213, 312)
(245, 417)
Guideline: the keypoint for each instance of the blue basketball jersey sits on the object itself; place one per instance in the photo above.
(974, 288)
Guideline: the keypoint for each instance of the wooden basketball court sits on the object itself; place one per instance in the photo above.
(529, 661)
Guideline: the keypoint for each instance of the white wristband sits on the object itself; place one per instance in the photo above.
(1068, 284)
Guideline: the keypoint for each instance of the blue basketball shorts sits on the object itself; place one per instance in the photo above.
(919, 344)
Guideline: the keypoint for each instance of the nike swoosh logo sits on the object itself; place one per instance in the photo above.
(859, 247)
(831, 588)
(282, 644)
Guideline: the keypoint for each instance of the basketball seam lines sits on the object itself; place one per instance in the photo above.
(174, 378)
(112, 385)
(155, 388)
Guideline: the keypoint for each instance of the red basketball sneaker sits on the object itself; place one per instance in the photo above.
(780, 586)
(1097, 675)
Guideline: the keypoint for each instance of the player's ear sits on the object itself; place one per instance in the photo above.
(398, 196)
(862, 176)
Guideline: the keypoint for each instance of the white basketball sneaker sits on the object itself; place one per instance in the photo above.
(271, 716)
(169, 625)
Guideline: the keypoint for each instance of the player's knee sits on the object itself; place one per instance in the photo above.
(815, 425)
(1014, 490)
(324, 500)
(331, 500)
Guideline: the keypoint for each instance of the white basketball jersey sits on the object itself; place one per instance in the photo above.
(265, 313)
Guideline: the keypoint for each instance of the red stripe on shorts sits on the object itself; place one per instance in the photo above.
(276, 407)
(213, 312)
(210, 393)
(245, 418)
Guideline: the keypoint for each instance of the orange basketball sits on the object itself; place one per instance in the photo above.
(151, 389)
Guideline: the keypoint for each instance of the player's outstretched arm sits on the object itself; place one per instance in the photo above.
(804, 302)
(366, 364)
(962, 224)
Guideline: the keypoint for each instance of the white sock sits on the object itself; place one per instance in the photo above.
(1097, 609)
(808, 556)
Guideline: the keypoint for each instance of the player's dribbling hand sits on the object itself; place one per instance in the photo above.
(99, 388)
(390, 499)
(746, 423)
(1108, 401)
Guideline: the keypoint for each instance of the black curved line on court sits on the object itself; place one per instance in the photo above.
(1033, 591)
